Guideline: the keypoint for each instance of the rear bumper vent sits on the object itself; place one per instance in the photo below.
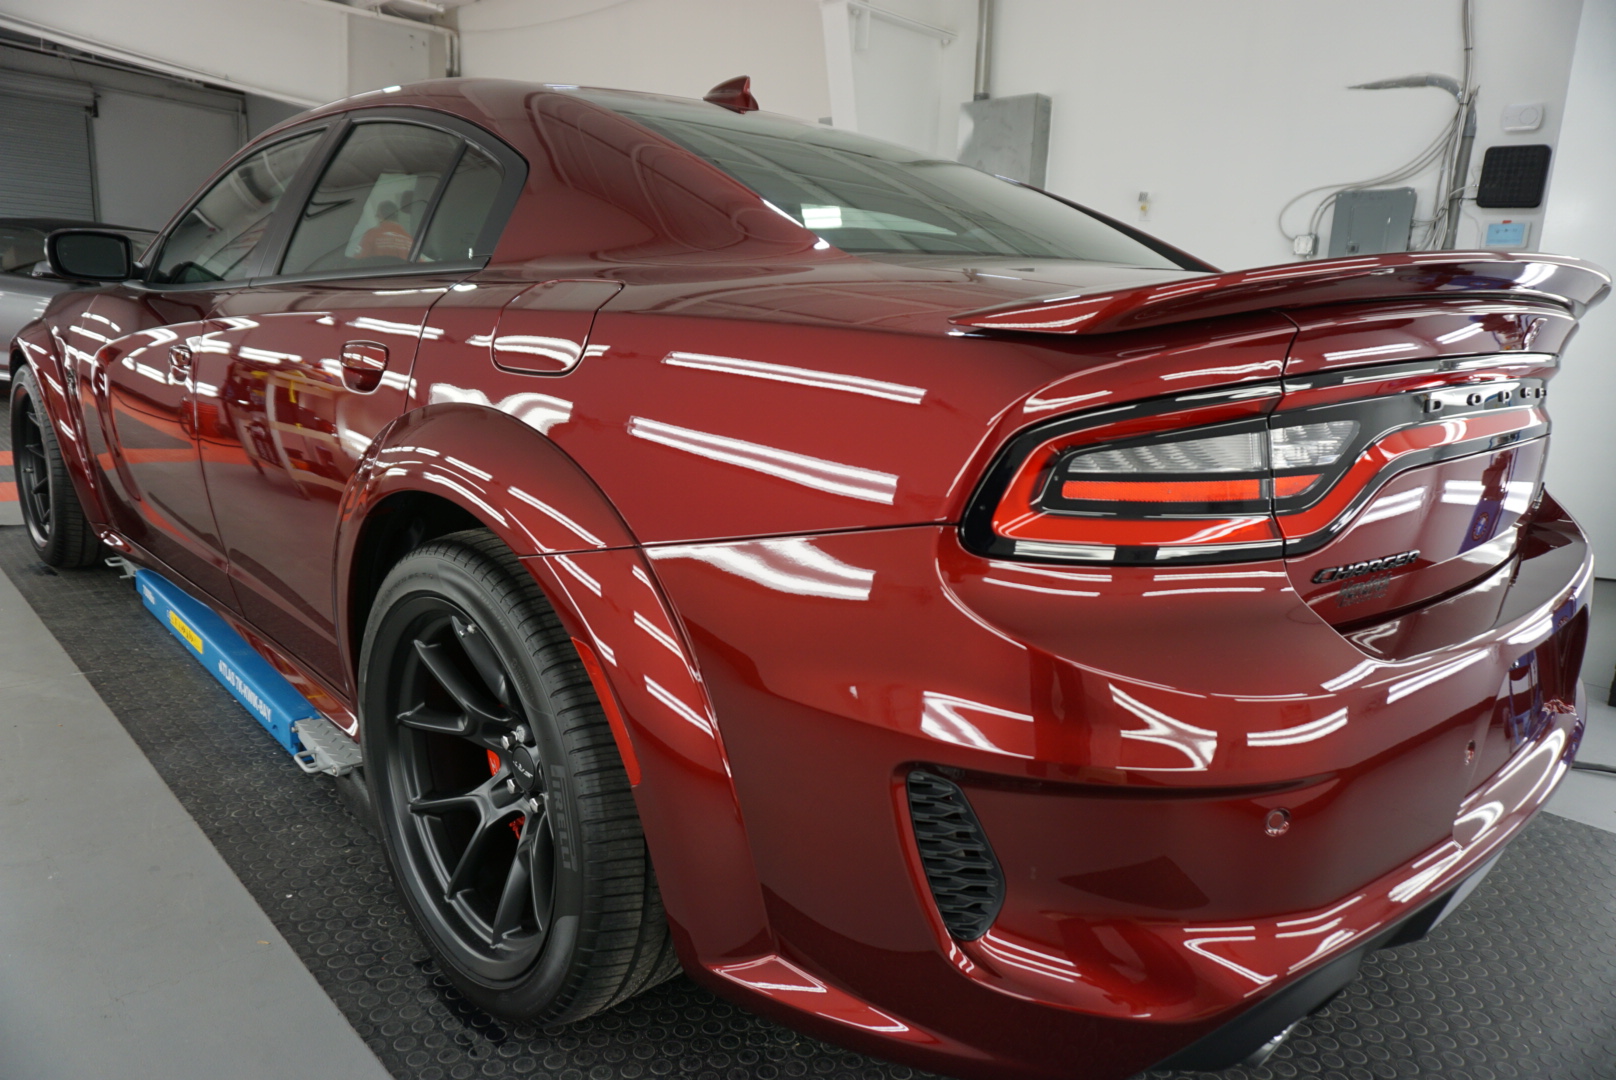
(966, 881)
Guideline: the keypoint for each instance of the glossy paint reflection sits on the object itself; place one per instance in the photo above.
(829, 380)
(789, 566)
(291, 422)
(545, 330)
(685, 798)
(869, 485)
(733, 458)
(142, 377)
(1462, 516)
(1073, 718)
(1349, 337)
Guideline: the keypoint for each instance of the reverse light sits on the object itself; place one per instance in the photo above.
(1303, 446)
(1242, 452)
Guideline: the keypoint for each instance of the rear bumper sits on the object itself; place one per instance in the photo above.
(1261, 1026)
(1124, 738)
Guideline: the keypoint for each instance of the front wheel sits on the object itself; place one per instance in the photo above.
(57, 527)
(504, 806)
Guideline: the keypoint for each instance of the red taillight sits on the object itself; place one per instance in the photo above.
(1192, 481)
(1287, 486)
(1162, 491)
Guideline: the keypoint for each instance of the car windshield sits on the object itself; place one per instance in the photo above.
(871, 197)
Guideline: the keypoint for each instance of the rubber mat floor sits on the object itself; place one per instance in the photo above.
(1521, 982)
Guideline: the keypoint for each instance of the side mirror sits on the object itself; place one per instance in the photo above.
(90, 255)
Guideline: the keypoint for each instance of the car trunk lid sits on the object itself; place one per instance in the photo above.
(1452, 398)
(1404, 453)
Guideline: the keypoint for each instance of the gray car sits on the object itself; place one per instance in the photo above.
(26, 283)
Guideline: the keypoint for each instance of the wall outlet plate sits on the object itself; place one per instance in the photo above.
(1523, 118)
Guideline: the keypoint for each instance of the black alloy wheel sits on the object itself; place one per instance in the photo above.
(505, 809)
(470, 774)
(57, 527)
(32, 471)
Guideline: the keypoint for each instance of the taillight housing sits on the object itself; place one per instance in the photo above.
(1258, 472)
(1232, 469)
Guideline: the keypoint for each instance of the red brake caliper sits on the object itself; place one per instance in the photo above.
(493, 767)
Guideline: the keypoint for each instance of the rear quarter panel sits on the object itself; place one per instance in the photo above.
(698, 426)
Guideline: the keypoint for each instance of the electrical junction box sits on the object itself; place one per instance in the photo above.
(1371, 221)
(262, 690)
(1508, 234)
(1007, 136)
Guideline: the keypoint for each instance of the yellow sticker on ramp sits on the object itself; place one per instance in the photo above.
(193, 638)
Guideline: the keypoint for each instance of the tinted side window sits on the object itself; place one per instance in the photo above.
(213, 240)
(370, 206)
(462, 213)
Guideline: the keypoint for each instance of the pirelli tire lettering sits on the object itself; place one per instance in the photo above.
(1359, 569)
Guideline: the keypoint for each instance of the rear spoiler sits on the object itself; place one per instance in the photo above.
(1559, 280)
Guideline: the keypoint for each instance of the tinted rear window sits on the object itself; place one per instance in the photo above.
(863, 195)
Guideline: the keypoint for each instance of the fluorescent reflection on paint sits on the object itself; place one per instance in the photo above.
(1301, 733)
(948, 718)
(1195, 743)
(829, 380)
(789, 566)
(817, 473)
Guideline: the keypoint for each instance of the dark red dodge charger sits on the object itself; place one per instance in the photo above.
(1016, 647)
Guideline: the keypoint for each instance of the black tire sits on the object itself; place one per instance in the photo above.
(467, 685)
(55, 520)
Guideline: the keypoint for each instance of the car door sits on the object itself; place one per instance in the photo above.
(134, 352)
(316, 357)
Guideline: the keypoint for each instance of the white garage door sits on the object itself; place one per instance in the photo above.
(152, 154)
(45, 162)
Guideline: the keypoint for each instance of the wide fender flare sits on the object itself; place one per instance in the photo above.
(502, 472)
(536, 499)
(43, 353)
(669, 737)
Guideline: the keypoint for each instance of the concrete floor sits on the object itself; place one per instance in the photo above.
(129, 949)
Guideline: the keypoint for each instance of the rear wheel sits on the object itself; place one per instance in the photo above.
(50, 507)
(502, 801)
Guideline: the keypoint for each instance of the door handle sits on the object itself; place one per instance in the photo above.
(179, 359)
(364, 356)
(363, 363)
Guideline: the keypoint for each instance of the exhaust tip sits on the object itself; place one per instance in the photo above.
(1266, 1050)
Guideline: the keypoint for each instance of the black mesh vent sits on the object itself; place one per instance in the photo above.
(964, 876)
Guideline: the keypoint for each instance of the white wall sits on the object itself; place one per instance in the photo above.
(682, 47)
(897, 79)
(1582, 222)
(1225, 110)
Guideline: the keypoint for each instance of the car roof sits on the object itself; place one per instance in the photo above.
(490, 102)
